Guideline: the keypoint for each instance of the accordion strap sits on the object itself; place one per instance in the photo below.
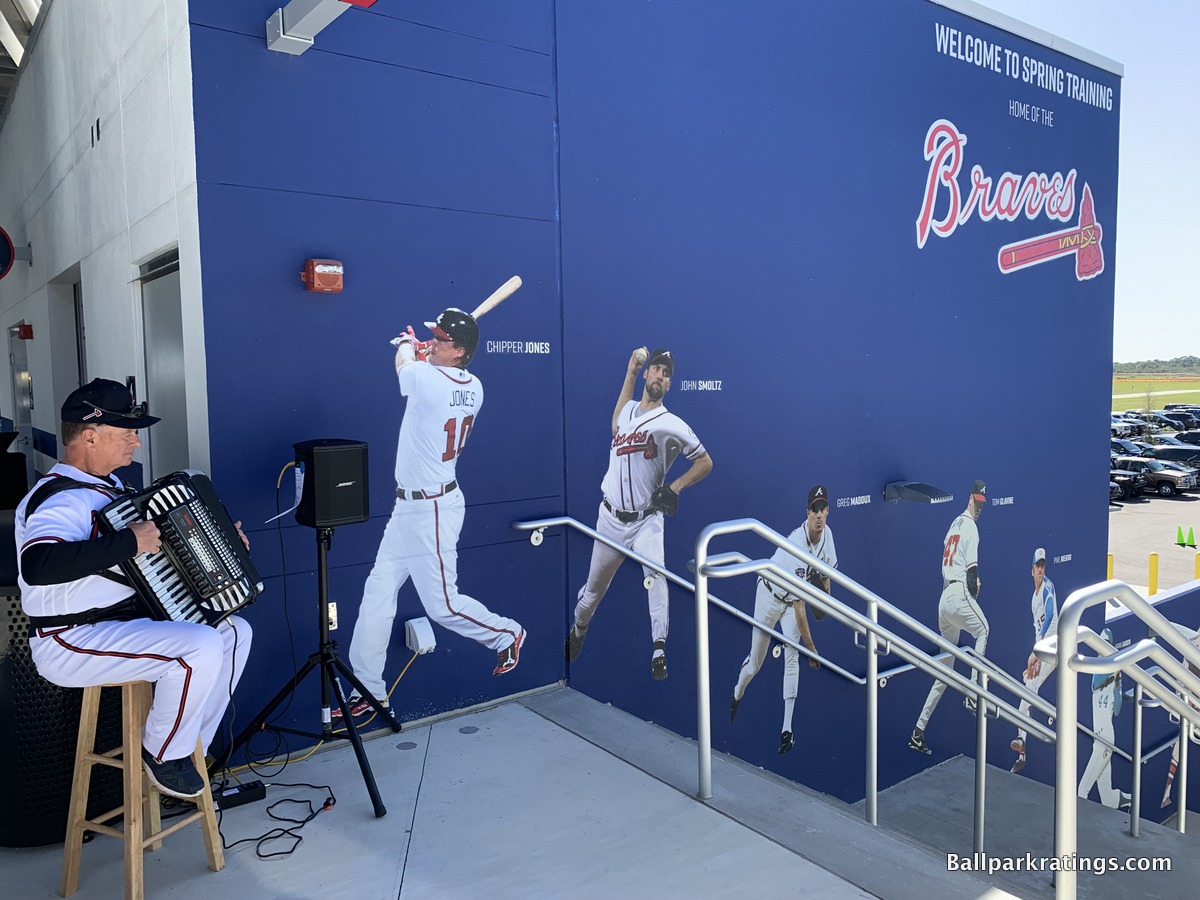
(130, 608)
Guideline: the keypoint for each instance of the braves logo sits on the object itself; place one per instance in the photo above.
(636, 442)
(1007, 198)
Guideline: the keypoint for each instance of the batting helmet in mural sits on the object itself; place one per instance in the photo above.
(460, 327)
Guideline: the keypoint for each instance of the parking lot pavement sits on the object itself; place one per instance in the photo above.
(1150, 524)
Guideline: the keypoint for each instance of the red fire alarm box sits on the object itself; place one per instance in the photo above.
(324, 275)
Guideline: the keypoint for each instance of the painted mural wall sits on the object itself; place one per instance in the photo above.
(877, 248)
(880, 248)
(415, 144)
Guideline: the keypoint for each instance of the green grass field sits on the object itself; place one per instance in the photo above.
(1152, 391)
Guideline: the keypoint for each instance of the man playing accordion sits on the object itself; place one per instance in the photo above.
(86, 624)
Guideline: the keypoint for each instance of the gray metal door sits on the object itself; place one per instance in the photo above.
(165, 390)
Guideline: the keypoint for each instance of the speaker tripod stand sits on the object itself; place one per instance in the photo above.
(330, 665)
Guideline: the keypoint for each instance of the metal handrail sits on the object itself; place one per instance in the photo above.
(537, 526)
(1062, 648)
(725, 565)
(731, 564)
(988, 704)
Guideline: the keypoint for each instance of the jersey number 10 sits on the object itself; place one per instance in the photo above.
(453, 447)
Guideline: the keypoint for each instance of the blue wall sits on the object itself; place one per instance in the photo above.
(740, 184)
(420, 152)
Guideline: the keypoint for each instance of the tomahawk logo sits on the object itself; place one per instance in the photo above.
(1007, 198)
(94, 414)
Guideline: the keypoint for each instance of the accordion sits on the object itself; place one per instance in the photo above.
(203, 573)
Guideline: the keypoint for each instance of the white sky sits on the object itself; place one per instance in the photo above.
(1158, 193)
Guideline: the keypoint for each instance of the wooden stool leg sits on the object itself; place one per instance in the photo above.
(77, 812)
(208, 815)
(151, 797)
(135, 699)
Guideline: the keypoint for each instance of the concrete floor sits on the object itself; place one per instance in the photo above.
(549, 795)
(555, 795)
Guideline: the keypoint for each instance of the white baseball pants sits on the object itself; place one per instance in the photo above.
(420, 542)
(644, 537)
(957, 612)
(769, 609)
(1035, 685)
(194, 669)
(1098, 769)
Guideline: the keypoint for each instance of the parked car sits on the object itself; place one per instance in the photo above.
(1189, 437)
(1136, 424)
(1179, 421)
(1171, 440)
(1181, 467)
(1120, 428)
(1131, 483)
(1161, 480)
(1189, 455)
(1114, 492)
(1124, 447)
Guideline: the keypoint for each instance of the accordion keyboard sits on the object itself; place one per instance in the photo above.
(202, 574)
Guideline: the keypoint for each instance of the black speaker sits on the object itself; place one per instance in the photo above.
(335, 482)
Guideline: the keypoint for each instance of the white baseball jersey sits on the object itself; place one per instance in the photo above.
(1045, 609)
(643, 448)
(961, 548)
(442, 405)
(823, 550)
(67, 517)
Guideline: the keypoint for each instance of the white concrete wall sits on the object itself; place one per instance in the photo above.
(104, 205)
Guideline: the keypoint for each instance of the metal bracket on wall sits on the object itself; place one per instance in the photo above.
(292, 28)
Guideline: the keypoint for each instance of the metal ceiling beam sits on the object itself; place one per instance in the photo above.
(30, 9)
(13, 45)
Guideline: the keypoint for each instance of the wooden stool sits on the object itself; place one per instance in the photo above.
(143, 822)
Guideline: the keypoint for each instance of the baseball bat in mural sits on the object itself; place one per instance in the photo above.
(498, 296)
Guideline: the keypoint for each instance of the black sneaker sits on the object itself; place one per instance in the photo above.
(970, 703)
(734, 703)
(917, 742)
(176, 777)
(1018, 765)
(574, 643)
(658, 667)
(786, 742)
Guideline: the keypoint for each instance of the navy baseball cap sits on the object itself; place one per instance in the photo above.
(818, 495)
(104, 402)
(662, 357)
(979, 490)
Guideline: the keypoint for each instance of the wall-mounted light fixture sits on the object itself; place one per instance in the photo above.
(916, 491)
